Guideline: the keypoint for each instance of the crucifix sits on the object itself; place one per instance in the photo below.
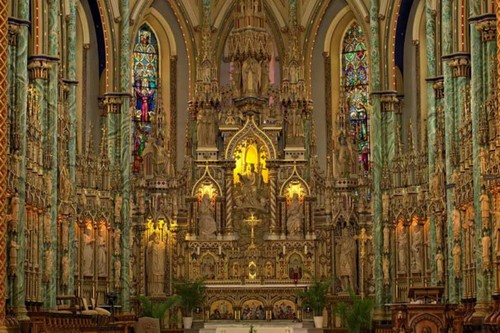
(363, 238)
(252, 221)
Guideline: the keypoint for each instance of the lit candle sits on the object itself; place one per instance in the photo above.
(198, 250)
(284, 249)
(305, 249)
(220, 249)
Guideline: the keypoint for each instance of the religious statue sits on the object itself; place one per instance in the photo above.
(457, 252)
(347, 260)
(118, 206)
(294, 216)
(265, 76)
(485, 208)
(13, 254)
(455, 217)
(64, 270)
(387, 239)
(88, 252)
(155, 265)
(13, 217)
(47, 221)
(102, 253)
(48, 271)
(236, 82)
(65, 186)
(402, 248)
(251, 76)
(116, 241)
(416, 248)
(385, 206)
(118, 272)
(486, 244)
(64, 234)
(440, 266)
(207, 225)
(295, 124)
(385, 270)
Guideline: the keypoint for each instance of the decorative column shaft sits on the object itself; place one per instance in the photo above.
(125, 149)
(51, 145)
(71, 66)
(21, 78)
(229, 227)
(3, 160)
(377, 159)
(477, 100)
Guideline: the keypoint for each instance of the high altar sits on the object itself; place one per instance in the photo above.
(248, 214)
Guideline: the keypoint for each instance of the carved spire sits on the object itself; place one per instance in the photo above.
(248, 48)
(207, 84)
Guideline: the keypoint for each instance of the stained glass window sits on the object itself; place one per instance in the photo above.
(145, 83)
(355, 87)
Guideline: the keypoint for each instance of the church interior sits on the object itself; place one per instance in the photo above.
(258, 146)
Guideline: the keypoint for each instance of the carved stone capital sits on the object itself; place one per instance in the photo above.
(13, 32)
(460, 64)
(38, 68)
(488, 29)
(112, 103)
(389, 100)
(438, 86)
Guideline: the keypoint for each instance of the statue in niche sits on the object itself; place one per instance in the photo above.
(455, 217)
(236, 78)
(206, 128)
(402, 248)
(47, 221)
(485, 208)
(417, 247)
(486, 244)
(250, 188)
(440, 266)
(265, 76)
(13, 247)
(64, 234)
(251, 73)
(295, 217)
(385, 206)
(385, 270)
(102, 252)
(208, 268)
(269, 270)
(118, 272)
(295, 267)
(116, 241)
(387, 238)
(118, 206)
(65, 270)
(13, 217)
(48, 269)
(88, 252)
(64, 181)
(155, 265)
(347, 260)
(207, 225)
(457, 253)
(295, 125)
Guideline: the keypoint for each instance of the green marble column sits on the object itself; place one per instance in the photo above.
(52, 132)
(376, 137)
(71, 67)
(482, 290)
(21, 79)
(430, 29)
(125, 150)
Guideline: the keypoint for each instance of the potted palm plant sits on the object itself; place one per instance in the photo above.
(191, 296)
(357, 315)
(153, 312)
(315, 297)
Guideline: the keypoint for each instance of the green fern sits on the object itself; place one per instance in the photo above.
(356, 315)
(153, 309)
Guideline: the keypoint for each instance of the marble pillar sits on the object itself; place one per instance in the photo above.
(125, 125)
(21, 82)
(3, 161)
